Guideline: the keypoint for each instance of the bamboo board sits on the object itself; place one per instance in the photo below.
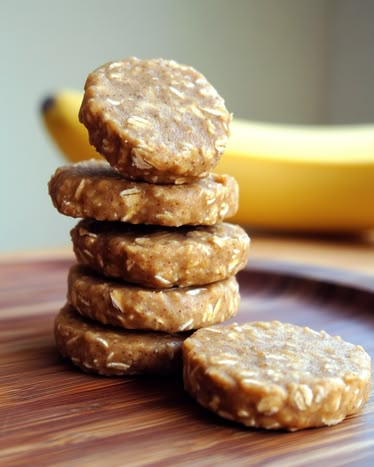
(52, 414)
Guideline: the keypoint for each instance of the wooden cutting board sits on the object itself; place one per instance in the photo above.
(52, 414)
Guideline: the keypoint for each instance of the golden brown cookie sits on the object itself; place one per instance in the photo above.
(167, 310)
(95, 190)
(161, 257)
(276, 376)
(109, 351)
(155, 120)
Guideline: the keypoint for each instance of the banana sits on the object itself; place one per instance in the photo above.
(60, 116)
(291, 178)
(303, 178)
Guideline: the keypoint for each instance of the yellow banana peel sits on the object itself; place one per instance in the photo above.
(294, 178)
(60, 116)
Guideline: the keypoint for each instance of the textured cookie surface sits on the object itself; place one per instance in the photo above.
(155, 120)
(108, 351)
(275, 375)
(162, 257)
(95, 190)
(167, 310)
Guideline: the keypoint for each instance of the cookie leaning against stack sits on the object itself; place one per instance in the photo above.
(155, 258)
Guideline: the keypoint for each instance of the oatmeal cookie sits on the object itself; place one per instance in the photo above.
(109, 351)
(276, 376)
(155, 120)
(167, 310)
(161, 257)
(95, 190)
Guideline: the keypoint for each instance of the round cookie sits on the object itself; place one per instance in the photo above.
(155, 120)
(108, 351)
(167, 310)
(276, 376)
(93, 189)
(161, 257)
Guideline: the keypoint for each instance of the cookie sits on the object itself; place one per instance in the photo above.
(276, 376)
(161, 257)
(155, 120)
(109, 351)
(167, 310)
(95, 190)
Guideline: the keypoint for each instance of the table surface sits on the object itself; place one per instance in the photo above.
(50, 413)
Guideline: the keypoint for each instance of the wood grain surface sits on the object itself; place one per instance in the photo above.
(52, 414)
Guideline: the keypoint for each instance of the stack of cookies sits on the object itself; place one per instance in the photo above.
(155, 259)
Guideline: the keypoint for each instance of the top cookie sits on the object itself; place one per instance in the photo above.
(155, 120)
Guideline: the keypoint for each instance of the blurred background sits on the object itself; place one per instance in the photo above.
(297, 61)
